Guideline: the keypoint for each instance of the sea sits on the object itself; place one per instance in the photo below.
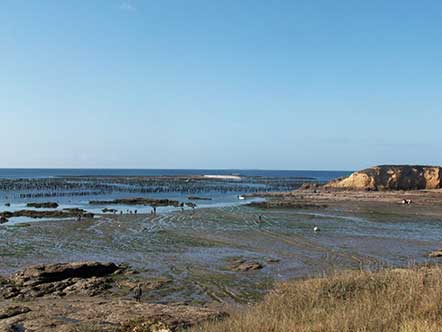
(29, 173)
(76, 188)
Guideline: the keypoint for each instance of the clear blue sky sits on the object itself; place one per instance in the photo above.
(220, 84)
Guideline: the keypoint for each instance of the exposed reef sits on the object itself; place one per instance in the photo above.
(67, 213)
(139, 201)
(46, 205)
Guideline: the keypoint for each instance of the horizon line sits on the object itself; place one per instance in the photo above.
(167, 168)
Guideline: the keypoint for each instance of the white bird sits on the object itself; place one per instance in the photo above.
(316, 229)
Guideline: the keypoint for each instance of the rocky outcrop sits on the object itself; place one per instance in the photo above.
(81, 278)
(391, 177)
(242, 265)
(40, 274)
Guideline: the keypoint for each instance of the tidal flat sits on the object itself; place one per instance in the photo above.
(194, 249)
(186, 263)
(152, 248)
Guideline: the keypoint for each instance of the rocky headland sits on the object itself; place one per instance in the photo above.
(391, 177)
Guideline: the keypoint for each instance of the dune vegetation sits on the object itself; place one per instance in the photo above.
(405, 300)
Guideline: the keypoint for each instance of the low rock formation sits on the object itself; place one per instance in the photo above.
(46, 205)
(242, 265)
(39, 274)
(391, 177)
(81, 278)
(198, 198)
(67, 213)
(106, 210)
(139, 201)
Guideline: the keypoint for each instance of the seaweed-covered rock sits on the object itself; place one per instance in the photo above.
(46, 205)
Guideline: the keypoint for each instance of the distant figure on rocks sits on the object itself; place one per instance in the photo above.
(136, 211)
(260, 218)
(154, 210)
(138, 292)
(79, 217)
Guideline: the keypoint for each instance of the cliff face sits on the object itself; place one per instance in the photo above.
(392, 177)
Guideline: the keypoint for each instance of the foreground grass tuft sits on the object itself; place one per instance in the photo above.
(403, 300)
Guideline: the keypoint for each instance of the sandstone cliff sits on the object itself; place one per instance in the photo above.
(392, 177)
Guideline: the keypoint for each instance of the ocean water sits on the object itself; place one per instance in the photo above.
(29, 173)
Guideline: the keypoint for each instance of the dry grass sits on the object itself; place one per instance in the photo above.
(403, 300)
